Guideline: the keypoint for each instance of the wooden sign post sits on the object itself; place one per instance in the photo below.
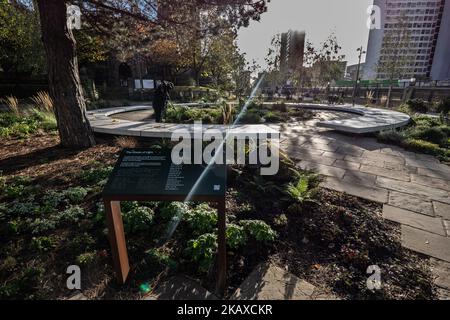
(150, 175)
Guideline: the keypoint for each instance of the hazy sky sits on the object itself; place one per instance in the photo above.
(318, 18)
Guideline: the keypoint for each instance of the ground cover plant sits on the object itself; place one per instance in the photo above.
(256, 113)
(424, 135)
(21, 120)
(51, 216)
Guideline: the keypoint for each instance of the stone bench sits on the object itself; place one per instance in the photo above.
(367, 120)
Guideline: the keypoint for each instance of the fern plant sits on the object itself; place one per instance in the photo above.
(303, 190)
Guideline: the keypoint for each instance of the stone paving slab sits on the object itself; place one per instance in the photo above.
(270, 282)
(431, 182)
(358, 177)
(378, 156)
(441, 271)
(414, 189)
(344, 164)
(399, 167)
(335, 155)
(416, 220)
(314, 158)
(426, 243)
(320, 146)
(78, 296)
(180, 288)
(369, 193)
(322, 169)
(443, 294)
(393, 174)
(411, 203)
(425, 164)
(367, 161)
(442, 209)
(434, 173)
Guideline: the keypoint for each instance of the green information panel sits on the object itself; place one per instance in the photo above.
(151, 172)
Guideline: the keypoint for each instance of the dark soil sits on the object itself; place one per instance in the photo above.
(329, 243)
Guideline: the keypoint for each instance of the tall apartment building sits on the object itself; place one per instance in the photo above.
(291, 50)
(414, 39)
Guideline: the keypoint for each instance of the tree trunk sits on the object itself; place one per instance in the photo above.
(64, 80)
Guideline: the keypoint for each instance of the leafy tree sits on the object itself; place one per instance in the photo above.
(273, 74)
(322, 64)
(60, 45)
(21, 49)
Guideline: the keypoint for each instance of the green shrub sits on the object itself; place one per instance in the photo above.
(22, 208)
(443, 106)
(417, 105)
(47, 120)
(52, 199)
(252, 116)
(259, 230)
(434, 134)
(390, 136)
(425, 121)
(71, 215)
(16, 187)
(96, 175)
(41, 225)
(405, 109)
(81, 242)
(138, 219)
(158, 257)
(281, 220)
(423, 146)
(76, 194)
(87, 258)
(201, 219)
(445, 129)
(21, 126)
(127, 206)
(202, 250)
(173, 210)
(24, 284)
(42, 244)
(273, 117)
(236, 236)
(281, 107)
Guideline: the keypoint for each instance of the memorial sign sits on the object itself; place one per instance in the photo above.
(150, 175)
(150, 172)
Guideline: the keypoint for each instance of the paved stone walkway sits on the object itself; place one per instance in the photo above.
(180, 288)
(269, 282)
(413, 188)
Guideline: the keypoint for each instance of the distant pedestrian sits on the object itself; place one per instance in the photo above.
(161, 98)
